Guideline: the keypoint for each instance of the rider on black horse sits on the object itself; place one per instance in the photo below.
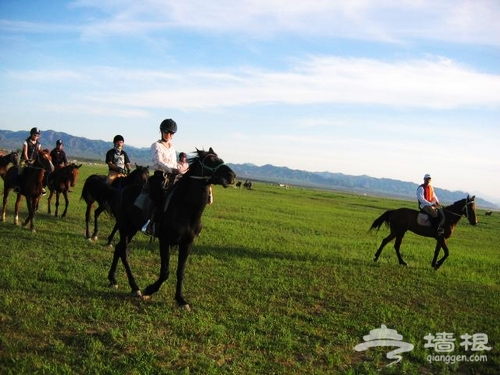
(428, 203)
(164, 160)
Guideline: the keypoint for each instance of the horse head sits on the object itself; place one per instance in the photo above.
(139, 175)
(44, 160)
(470, 209)
(209, 166)
(73, 173)
(14, 158)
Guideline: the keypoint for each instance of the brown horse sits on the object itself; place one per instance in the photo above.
(59, 182)
(404, 219)
(31, 185)
(5, 160)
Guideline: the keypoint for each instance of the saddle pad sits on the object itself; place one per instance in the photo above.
(423, 219)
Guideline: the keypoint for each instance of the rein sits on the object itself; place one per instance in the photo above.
(463, 208)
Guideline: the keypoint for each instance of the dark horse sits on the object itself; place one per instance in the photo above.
(179, 224)
(5, 160)
(59, 182)
(95, 189)
(31, 184)
(404, 219)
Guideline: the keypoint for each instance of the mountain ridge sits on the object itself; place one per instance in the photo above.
(95, 150)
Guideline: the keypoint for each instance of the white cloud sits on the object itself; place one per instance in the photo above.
(461, 21)
(426, 83)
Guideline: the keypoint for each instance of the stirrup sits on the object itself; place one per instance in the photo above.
(440, 230)
(44, 192)
(17, 189)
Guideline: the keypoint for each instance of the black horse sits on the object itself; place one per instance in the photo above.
(95, 189)
(179, 224)
(404, 219)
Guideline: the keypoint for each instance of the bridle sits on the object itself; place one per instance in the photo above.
(206, 167)
(465, 207)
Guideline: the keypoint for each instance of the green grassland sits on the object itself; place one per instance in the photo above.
(279, 282)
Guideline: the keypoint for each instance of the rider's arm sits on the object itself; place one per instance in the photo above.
(109, 161)
(25, 151)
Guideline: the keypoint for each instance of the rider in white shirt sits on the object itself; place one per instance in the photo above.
(164, 160)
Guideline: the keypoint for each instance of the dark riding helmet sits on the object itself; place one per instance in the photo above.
(59, 142)
(168, 126)
(35, 131)
(182, 155)
(118, 138)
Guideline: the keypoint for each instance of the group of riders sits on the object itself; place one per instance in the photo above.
(31, 146)
(167, 167)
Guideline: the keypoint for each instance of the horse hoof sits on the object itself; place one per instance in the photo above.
(186, 307)
(146, 297)
(113, 286)
(136, 293)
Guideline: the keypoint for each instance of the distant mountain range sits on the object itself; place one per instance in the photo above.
(84, 149)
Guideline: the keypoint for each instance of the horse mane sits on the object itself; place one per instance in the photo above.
(184, 178)
(458, 204)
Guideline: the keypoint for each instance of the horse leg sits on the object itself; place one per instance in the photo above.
(97, 213)
(436, 254)
(32, 204)
(397, 246)
(16, 209)
(49, 202)
(87, 219)
(438, 264)
(124, 254)
(66, 203)
(57, 203)
(385, 241)
(4, 203)
(112, 234)
(112, 270)
(184, 250)
(164, 270)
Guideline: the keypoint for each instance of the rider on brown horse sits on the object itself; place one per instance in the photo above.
(428, 203)
(31, 146)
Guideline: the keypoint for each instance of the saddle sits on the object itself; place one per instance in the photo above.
(155, 194)
(424, 219)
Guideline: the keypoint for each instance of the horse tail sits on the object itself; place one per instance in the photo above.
(384, 218)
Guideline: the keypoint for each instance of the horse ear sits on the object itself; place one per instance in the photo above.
(211, 151)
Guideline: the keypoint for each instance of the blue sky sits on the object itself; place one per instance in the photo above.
(383, 88)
